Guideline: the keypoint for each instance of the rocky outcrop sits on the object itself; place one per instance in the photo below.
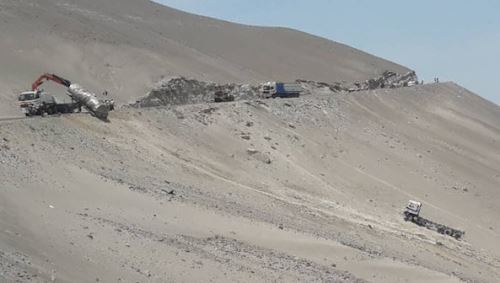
(387, 80)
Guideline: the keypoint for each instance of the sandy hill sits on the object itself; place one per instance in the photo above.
(125, 45)
(299, 190)
(309, 189)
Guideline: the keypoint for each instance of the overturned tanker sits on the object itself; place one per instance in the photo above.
(99, 108)
(412, 212)
(37, 102)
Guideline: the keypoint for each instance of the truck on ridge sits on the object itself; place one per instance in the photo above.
(280, 89)
(412, 214)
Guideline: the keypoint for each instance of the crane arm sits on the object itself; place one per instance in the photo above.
(49, 77)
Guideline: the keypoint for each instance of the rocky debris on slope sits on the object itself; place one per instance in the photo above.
(311, 87)
(181, 91)
(387, 80)
(17, 267)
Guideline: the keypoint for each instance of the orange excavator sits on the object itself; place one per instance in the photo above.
(49, 77)
(38, 102)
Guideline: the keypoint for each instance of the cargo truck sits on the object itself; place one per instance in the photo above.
(412, 213)
(280, 89)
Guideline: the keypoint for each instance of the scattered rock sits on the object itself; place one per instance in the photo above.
(249, 124)
(137, 188)
(245, 137)
(209, 110)
(168, 192)
(252, 151)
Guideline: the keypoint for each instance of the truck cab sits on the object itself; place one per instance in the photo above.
(413, 208)
(280, 89)
(29, 100)
(36, 102)
(29, 96)
(268, 89)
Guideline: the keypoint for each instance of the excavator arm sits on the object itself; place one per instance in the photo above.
(49, 77)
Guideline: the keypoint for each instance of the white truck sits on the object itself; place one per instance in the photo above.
(412, 213)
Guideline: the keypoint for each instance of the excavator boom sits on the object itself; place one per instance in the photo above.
(49, 77)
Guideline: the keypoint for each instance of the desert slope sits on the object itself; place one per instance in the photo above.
(308, 189)
(124, 46)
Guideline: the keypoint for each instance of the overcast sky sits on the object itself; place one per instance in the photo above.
(456, 40)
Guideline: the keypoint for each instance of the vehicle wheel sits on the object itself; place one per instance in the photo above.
(407, 217)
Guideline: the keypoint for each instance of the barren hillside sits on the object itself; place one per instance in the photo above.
(308, 189)
(124, 46)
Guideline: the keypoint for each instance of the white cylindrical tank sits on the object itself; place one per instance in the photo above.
(89, 101)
